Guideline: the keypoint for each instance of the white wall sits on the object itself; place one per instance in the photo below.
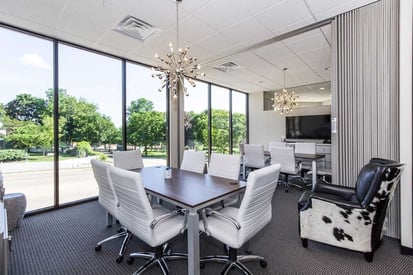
(267, 126)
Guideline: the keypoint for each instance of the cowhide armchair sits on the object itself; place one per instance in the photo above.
(350, 218)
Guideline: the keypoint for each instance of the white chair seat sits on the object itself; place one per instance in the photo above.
(223, 230)
(164, 231)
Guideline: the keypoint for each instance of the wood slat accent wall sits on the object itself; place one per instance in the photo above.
(365, 93)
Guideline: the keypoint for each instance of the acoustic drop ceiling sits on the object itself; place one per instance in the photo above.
(218, 32)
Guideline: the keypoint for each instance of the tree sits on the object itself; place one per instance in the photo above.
(146, 129)
(199, 128)
(26, 108)
(140, 105)
(220, 130)
(82, 121)
(239, 129)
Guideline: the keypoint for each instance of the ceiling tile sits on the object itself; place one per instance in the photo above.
(283, 15)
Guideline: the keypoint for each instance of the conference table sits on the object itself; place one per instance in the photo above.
(313, 157)
(193, 192)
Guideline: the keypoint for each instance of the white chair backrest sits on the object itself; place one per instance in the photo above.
(305, 148)
(284, 156)
(134, 210)
(193, 161)
(225, 166)
(254, 155)
(276, 144)
(107, 196)
(255, 210)
(128, 159)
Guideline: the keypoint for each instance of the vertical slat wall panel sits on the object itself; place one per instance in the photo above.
(365, 93)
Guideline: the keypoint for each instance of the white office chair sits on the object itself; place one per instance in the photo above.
(155, 226)
(235, 226)
(109, 201)
(254, 157)
(305, 148)
(225, 166)
(128, 159)
(286, 158)
(193, 161)
(276, 144)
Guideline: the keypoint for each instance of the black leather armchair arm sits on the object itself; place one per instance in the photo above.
(306, 198)
(341, 191)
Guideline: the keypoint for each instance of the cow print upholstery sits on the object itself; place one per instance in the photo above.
(337, 216)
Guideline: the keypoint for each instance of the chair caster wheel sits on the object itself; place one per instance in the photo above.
(98, 248)
(286, 190)
(263, 263)
(129, 261)
(120, 230)
(119, 259)
(202, 265)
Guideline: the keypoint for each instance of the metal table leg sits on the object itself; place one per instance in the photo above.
(193, 242)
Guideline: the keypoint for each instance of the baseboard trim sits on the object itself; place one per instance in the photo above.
(406, 250)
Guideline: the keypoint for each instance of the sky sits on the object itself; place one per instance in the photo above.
(26, 66)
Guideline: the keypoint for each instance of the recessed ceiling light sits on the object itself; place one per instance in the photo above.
(322, 88)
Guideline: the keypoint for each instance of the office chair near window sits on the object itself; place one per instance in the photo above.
(225, 166)
(193, 161)
(155, 226)
(109, 201)
(128, 159)
(351, 218)
(236, 226)
(289, 168)
(254, 158)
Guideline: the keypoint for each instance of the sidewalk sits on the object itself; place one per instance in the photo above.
(26, 166)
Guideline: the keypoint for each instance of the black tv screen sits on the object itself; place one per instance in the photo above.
(308, 127)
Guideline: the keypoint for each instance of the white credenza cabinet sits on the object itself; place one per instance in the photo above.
(324, 149)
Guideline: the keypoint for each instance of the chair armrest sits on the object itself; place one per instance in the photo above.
(341, 191)
(163, 217)
(340, 202)
(233, 221)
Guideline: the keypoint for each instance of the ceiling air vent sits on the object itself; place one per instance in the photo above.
(136, 28)
(227, 67)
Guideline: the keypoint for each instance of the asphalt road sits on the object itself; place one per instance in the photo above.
(38, 186)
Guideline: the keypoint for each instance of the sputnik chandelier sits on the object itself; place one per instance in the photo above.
(177, 66)
(284, 101)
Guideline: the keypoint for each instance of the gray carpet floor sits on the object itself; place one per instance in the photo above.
(63, 241)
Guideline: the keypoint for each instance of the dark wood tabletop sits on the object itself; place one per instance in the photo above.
(188, 189)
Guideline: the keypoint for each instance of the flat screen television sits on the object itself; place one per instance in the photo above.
(308, 127)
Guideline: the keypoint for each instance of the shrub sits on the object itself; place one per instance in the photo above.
(12, 155)
(83, 149)
(101, 156)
